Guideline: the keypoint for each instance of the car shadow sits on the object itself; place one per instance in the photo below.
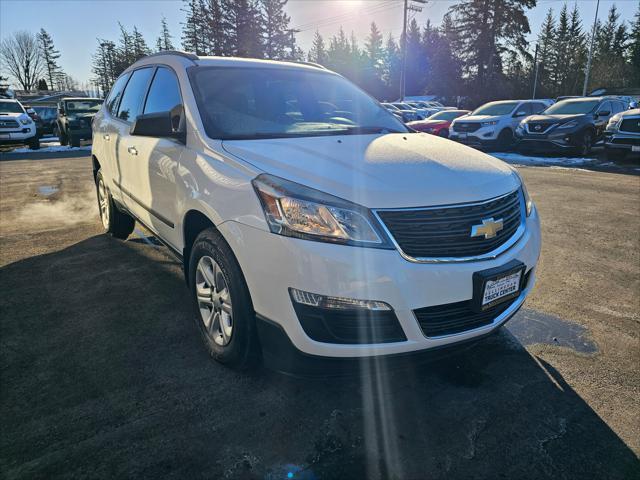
(104, 375)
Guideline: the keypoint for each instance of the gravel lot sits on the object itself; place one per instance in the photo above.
(103, 374)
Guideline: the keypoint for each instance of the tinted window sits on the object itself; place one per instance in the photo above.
(617, 107)
(133, 96)
(164, 94)
(538, 107)
(116, 94)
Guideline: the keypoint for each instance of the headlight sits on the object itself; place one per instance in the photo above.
(614, 122)
(528, 203)
(570, 124)
(294, 210)
(489, 124)
(26, 121)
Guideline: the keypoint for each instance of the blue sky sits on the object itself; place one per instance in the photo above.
(75, 24)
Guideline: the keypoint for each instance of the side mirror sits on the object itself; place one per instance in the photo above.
(160, 124)
(520, 113)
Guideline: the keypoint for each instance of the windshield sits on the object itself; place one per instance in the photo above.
(82, 106)
(446, 115)
(249, 103)
(571, 107)
(496, 108)
(11, 107)
(46, 112)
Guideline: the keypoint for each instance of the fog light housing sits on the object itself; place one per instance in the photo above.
(337, 303)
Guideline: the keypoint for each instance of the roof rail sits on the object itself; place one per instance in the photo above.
(179, 53)
(311, 64)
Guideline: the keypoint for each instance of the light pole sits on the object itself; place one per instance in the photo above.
(403, 70)
(593, 39)
(535, 78)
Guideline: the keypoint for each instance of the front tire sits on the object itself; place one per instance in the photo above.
(74, 141)
(505, 140)
(222, 306)
(62, 138)
(34, 143)
(116, 223)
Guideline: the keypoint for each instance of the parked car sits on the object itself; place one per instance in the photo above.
(16, 126)
(404, 115)
(412, 112)
(48, 116)
(303, 236)
(572, 125)
(424, 112)
(74, 119)
(438, 123)
(493, 124)
(622, 135)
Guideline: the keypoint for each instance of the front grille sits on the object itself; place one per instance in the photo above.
(630, 125)
(465, 127)
(446, 231)
(626, 141)
(9, 124)
(458, 317)
(539, 127)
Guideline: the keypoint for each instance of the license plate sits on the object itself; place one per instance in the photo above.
(500, 289)
(496, 285)
(635, 148)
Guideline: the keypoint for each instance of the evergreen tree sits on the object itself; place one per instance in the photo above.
(244, 21)
(318, 52)
(610, 68)
(392, 66)
(560, 61)
(138, 45)
(42, 84)
(216, 29)
(634, 48)
(416, 60)
(277, 38)
(49, 54)
(546, 48)
(576, 54)
(164, 40)
(193, 28)
(103, 67)
(486, 31)
(374, 47)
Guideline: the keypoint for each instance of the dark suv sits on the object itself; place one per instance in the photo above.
(74, 119)
(572, 125)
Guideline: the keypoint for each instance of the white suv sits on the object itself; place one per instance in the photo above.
(16, 126)
(310, 220)
(493, 124)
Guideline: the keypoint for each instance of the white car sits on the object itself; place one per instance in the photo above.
(16, 126)
(494, 124)
(305, 234)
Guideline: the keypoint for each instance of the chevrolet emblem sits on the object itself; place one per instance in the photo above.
(489, 228)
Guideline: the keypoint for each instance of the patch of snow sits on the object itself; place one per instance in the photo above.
(52, 145)
(518, 159)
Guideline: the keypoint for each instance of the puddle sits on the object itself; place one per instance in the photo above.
(531, 327)
(47, 190)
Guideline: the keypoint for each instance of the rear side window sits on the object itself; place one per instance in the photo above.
(538, 107)
(133, 96)
(617, 107)
(116, 94)
(164, 95)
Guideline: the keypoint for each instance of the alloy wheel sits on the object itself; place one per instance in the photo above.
(103, 203)
(214, 301)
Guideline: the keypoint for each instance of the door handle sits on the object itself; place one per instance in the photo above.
(106, 137)
(132, 151)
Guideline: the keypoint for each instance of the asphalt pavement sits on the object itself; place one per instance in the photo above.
(103, 374)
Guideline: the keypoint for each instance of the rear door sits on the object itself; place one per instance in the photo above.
(155, 161)
(126, 157)
(106, 137)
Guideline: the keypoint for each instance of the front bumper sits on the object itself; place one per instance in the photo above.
(81, 133)
(272, 264)
(622, 141)
(483, 137)
(557, 140)
(19, 136)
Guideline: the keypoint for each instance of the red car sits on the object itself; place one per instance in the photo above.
(438, 123)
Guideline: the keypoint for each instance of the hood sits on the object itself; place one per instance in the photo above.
(13, 116)
(382, 171)
(78, 116)
(427, 123)
(478, 118)
(554, 118)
